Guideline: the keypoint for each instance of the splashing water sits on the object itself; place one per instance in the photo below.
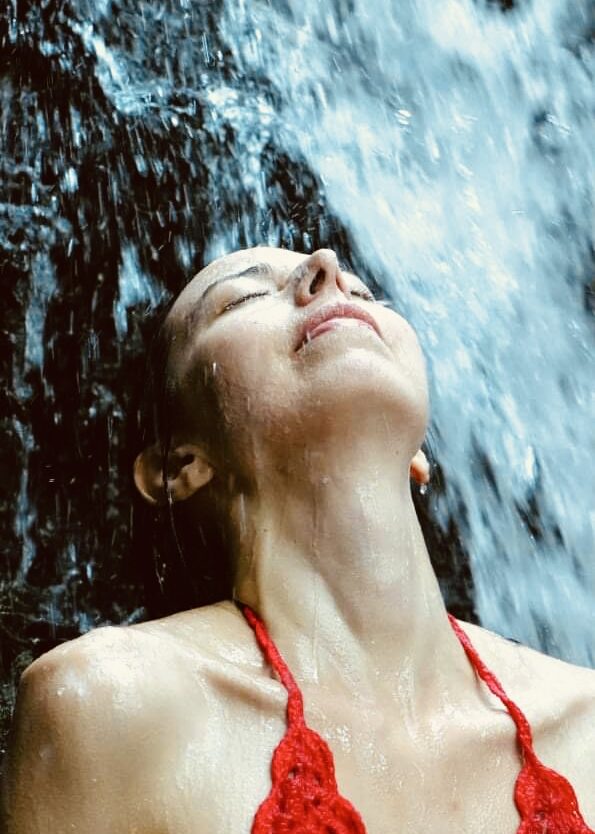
(455, 143)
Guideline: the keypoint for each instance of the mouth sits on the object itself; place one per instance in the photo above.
(332, 316)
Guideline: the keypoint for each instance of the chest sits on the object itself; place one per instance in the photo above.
(219, 773)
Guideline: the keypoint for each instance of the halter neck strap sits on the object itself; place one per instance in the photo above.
(295, 702)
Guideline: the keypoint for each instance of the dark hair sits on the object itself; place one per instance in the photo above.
(182, 556)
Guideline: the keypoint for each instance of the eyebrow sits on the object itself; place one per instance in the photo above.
(256, 270)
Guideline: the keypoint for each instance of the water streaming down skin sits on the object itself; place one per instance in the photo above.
(456, 146)
(451, 143)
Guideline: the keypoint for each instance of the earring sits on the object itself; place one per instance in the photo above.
(419, 470)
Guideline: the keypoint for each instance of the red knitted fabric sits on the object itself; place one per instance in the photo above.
(304, 798)
(545, 800)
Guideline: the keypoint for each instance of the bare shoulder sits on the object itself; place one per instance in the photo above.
(74, 710)
(121, 686)
(90, 711)
(106, 666)
(540, 681)
(132, 669)
(558, 699)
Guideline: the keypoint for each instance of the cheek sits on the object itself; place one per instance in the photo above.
(402, 340)
(247, 370)
(410, 363)
(411, 358)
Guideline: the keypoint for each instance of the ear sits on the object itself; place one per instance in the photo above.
(419, 469)
(188, 470)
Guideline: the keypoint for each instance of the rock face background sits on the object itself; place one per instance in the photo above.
(140, 139)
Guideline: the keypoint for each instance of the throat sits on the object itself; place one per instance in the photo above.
(341, 576)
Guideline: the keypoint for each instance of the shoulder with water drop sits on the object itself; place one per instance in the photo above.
(558, 700)
(86, 715)
(551, 685)
(217, 647)
(102, 676)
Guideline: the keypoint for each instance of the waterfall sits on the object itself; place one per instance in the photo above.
(455, 144)
(444, 149)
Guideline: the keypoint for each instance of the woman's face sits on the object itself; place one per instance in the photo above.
(284, 348)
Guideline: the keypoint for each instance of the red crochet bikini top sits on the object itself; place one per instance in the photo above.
(304, 798)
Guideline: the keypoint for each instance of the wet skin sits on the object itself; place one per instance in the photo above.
(245, 334)
(169, 726)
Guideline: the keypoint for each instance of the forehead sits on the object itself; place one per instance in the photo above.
(282, 261)
(281, 258)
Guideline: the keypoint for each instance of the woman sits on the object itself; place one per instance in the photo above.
(297, 407)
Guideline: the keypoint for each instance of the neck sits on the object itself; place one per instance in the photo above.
(332, 557)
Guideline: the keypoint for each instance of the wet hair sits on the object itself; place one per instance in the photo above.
(182, 556)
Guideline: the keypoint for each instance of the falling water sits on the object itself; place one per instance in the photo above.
(455, 143)
(446, 149)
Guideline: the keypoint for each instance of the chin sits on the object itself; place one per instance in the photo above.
(360, 385)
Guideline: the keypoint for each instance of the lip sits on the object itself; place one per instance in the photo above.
(333, 311)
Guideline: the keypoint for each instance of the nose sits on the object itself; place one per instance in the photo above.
(320, 274)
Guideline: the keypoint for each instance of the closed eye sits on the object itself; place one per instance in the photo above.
(243, 298)
(365, 294)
